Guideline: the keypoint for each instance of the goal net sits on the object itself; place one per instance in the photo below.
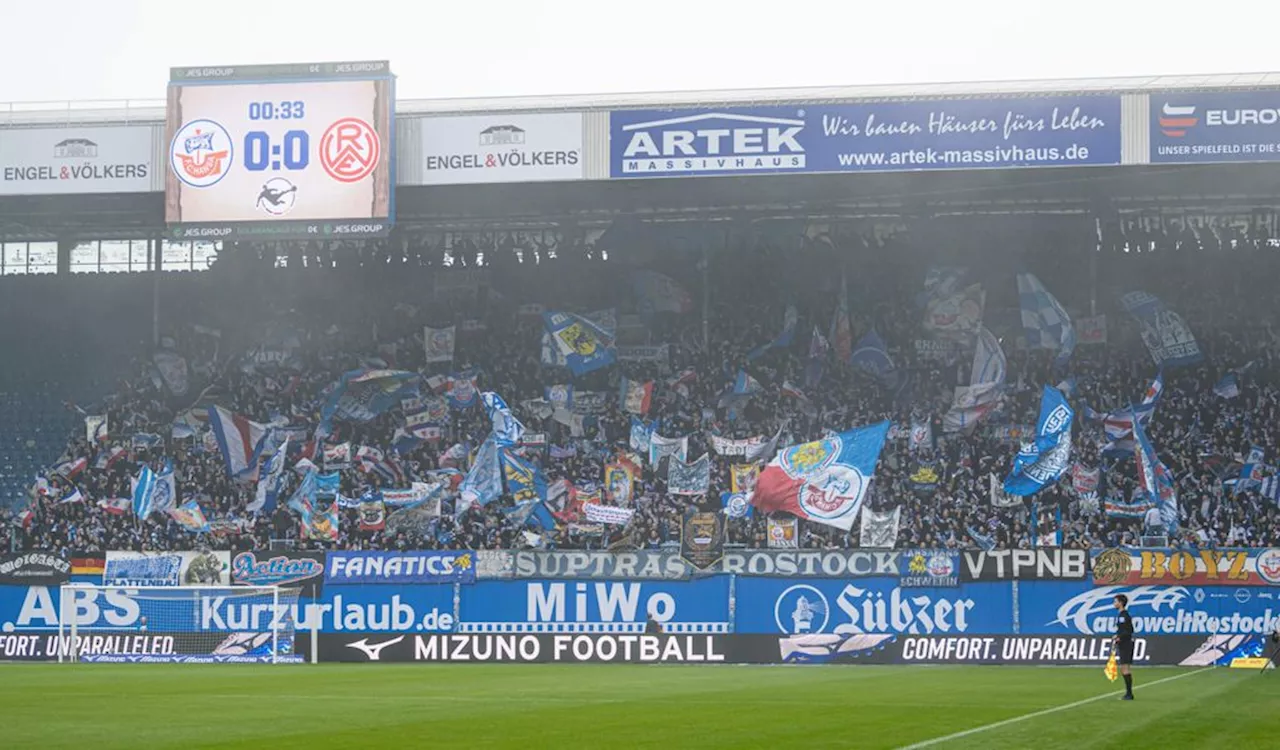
(191, 624)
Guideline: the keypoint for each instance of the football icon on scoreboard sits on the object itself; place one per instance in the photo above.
(277, 196)
(201, 153)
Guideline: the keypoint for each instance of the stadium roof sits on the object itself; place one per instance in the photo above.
(152, 110)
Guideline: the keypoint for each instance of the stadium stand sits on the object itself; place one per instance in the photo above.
(268, 332)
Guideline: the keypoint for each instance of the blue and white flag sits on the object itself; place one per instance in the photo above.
(525, 481)
(559, 396)
(462, 390)
(871, 356)
(483, 483)
(270, 481)
(154, 492)
(1163, 331)
(439, 343)
(784, 338)
(507, 430)
(736, 504)
(689, 479)
(239, 439)
(585, 345)
(972, 403)
(641, 435)
(1042, 461)
(362, 395)
(1228, 386)
(1044, 323)
(1155, 479)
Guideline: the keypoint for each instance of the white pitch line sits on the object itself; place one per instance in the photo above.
(1036, 714)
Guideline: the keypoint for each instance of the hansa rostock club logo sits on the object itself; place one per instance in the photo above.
(201, 153)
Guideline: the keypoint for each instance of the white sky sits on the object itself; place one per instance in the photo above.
(54, 50)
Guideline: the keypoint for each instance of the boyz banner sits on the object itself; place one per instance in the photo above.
(1163, 331)
(867, 137)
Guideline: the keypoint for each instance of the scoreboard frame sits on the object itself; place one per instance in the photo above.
(283, 155)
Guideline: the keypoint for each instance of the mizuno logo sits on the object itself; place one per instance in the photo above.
(373, 651)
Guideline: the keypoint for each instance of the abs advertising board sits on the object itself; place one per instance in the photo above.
(1192, 127)
(67, 161)
(870, 137)
(576, 606)
(390, 609)
(479, 149)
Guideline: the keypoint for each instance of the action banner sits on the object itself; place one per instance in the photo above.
(290, 569)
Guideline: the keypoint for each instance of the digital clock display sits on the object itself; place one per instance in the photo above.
(250, 156)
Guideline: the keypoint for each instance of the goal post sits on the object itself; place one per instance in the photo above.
(182, 624)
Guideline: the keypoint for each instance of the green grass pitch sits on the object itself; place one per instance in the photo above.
(626, 706)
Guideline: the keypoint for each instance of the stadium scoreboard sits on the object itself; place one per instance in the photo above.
(280, 151)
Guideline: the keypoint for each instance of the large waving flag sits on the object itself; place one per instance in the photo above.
(841, 331)
(1044, 323)
(824, 481)
(871, 356)
(190, 517)
(986, 382)
(585, 345)
(361, 395)
(269, 482)
(483, 483)
(1155, 478)
(239, 439)
(154, 492)
(1043, 460)
(525, 481)
(1166, 335)
(507, 430)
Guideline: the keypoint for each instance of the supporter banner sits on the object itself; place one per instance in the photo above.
(870, 137)
(33, 569)
(922, 568)
(63, 161)
(660, 353)
(1203, 567)
(1062, 607)
(400, 567)
(745, 447)
(501, 148)
(1091, 330)
(782, 533)
(1022, 564)
(167, 568)
(937, 350)
(816, 563)
(528, 648)
(1214, 127)
(869, 606)
(641, 565)
(702, 537)
(1164, 332)
(291, 569)
(696, 606)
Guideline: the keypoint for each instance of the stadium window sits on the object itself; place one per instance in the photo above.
(42, 257)
(15, 258)
(203, 254)
(176, 256)
(84, 257)
(116, 256)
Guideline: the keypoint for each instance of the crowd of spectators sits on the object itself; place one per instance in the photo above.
(337, 313)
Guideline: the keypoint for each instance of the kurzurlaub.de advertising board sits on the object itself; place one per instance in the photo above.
(872, 137)
(1215, 126)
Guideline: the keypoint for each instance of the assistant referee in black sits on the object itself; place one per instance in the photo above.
(1122, 642)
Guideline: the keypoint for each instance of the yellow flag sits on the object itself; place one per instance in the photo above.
(1111, 670)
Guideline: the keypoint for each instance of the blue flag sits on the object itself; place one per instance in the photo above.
(1163, 331)
(736, 504)
(1155, 478)
(361, 395)
(1042, 461)
(142, 493)
(483, 484)
(871, 356)
(585, 345)
(1044, 323)
(507, 430)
